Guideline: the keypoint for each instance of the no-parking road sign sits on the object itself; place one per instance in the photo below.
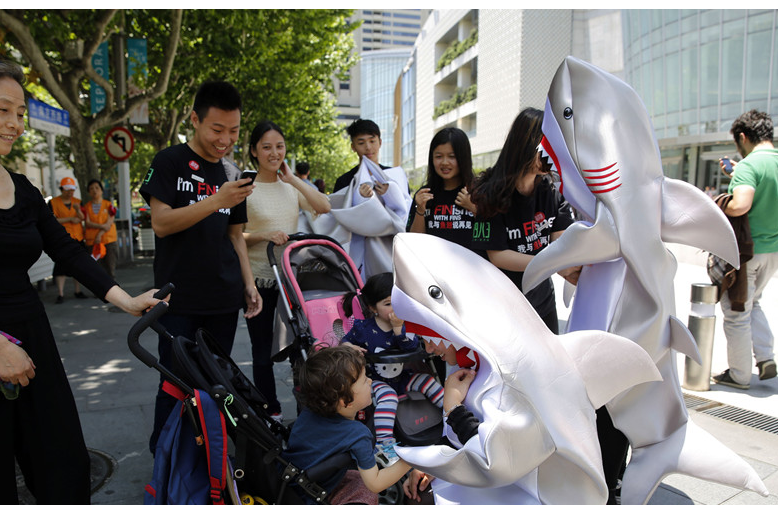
(119, 143)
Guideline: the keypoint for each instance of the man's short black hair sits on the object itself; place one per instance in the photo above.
(363, 126)
(302, 168)
(219, 94)
(756, 126)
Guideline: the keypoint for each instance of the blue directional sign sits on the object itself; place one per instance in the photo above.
(47, 118)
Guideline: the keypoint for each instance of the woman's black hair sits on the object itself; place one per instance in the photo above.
(257, 133)
(92, 181)
(377, 287)
(493, 189)
(461, 146)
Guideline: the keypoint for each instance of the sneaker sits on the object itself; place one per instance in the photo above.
(766, 369)
(80, 295)
(726, 380)
(386, 451)
(60, 299)
(277, 416)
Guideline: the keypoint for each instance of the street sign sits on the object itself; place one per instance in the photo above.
(47, 118)
(119, 143)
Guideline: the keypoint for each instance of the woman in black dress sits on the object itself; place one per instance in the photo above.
(40, 426)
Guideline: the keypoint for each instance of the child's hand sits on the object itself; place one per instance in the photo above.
(455, 389)
(358, 348)
(396, 322)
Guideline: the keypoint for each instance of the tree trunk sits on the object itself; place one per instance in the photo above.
(84, 158)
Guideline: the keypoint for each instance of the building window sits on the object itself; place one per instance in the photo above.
(345, 85)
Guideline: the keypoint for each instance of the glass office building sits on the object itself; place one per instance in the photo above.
(380, 71)
(698, 70)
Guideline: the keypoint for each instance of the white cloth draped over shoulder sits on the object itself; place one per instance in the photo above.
(365, 227)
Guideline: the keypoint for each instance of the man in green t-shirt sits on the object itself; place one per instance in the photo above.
(754, 189)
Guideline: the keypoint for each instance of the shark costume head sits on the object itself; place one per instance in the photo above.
(599, 137)
(534, 392)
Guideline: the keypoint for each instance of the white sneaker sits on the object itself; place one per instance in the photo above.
(387, 453)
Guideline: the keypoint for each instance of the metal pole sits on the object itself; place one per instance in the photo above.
(702, 325)
(123, 167)
(51, 138)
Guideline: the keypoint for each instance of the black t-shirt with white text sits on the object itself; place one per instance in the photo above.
(200, 261)
(445, 219)
(526, 228)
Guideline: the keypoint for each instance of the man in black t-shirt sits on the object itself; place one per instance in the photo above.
(198, 208)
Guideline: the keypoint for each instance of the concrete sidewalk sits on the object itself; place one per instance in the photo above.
(115, 392)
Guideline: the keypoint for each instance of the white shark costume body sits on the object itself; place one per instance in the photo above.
(365, 226)
(601, 140)
(535, 392)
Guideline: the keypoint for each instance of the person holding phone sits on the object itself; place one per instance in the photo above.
(754, 190)
(198, 207)
(272, 211)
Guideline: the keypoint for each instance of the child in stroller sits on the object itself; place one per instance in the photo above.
(334, 387)
(385, 331)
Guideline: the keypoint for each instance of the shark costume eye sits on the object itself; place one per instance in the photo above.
(568, 113)
(435, 292)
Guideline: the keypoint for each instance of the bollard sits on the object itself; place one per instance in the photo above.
(702, 325)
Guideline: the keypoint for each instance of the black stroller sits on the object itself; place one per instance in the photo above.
(257, 466)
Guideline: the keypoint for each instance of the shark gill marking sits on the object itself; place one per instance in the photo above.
(602, 186)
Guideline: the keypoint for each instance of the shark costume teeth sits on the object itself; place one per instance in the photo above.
(600, 138)
(534, 392)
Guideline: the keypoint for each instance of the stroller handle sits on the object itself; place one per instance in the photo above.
(296, 236)
(149, 319)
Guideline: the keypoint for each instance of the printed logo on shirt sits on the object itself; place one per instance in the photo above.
(531, 233)
(482, 231)
(200, 191)
(448, 217)
(194, 165)
(148, 175)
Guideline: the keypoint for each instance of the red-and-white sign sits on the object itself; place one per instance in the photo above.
(119, 143)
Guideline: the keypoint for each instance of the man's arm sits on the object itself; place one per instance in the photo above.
(166, 220)
(742, 199)
(253, 300)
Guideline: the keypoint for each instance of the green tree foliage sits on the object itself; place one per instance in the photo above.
(57, 46)
(282, 62)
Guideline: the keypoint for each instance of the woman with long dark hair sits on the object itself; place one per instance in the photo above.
(272, 211)
(520, 212)
(442, 206)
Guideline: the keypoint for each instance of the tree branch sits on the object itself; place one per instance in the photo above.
(29, 48)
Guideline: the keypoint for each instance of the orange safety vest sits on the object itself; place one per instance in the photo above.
(58, 207)
(99, 218)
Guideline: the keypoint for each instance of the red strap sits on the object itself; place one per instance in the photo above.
(173, 391)
(150, 490)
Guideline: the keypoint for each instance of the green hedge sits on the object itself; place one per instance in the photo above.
(456, 49)
(461, 96)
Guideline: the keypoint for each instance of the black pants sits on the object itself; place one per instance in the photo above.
(613, 446)
(221, 326)
(41, 427)
(261, 333)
